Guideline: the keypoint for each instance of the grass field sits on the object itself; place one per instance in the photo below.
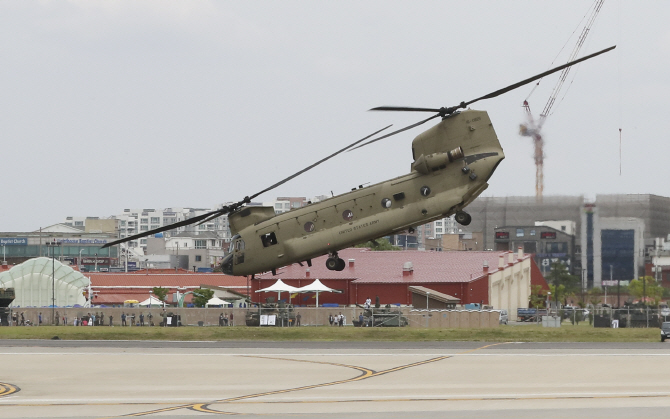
(567, 333)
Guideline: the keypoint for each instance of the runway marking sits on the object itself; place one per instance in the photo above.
(366, 373)
(7, 389)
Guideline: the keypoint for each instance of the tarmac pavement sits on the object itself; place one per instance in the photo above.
(94, 379)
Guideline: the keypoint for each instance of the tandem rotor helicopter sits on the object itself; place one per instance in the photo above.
(453, 162)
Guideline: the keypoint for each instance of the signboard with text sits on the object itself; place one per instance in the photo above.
(14, 241)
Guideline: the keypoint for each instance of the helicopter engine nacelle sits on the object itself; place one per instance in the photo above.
(436, 161)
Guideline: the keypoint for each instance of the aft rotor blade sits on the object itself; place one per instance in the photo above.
(539, 76)
(317, 163)
(397, 132)
(167, 227)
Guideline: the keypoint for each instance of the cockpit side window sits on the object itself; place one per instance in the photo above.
(239, 244)
(268, 239)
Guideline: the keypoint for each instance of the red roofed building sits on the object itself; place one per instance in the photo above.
(500, 279)
(115, 288)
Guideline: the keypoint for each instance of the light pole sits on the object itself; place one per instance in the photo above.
(80, 250)
(53, 245)
(4, 260)
(96, 262)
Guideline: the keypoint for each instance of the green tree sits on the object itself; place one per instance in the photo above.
(537, 298)
(201, 296)
(379, 244)
(160, 293)
(562, 283)
(652, 290)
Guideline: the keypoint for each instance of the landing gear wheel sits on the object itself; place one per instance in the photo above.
(463, 218)
(332, 263)
(341, 264)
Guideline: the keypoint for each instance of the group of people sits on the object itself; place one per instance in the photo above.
(226, 320)
(337, 320)
(125, 318)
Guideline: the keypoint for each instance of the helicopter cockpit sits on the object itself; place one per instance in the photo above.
(235, 255)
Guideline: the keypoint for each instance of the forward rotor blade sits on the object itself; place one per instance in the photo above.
(317, 163)
(539, 76)
(404, 109)
(213, 214)
(165, 228)
(397, 132)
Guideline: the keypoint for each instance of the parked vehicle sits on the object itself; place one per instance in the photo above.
(665, 331)
(504, 317)
(530, 314)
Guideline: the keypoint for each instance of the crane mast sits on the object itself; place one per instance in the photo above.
(533, 127)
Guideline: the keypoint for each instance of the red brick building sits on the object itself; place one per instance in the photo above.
(388, 274)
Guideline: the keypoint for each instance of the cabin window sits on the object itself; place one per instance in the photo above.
(399, 196)
(386, 203)
(425, 191)
(309, 226)
(348, 215)
(239, 244)
(269, 239)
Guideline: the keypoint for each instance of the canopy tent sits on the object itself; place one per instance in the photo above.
(279, 287)
(152, 301)
(317, 287)
(216, 301)
(40, 281)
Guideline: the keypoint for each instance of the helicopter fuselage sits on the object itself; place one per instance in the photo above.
(453, 162)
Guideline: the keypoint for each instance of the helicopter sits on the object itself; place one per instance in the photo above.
(453, 161)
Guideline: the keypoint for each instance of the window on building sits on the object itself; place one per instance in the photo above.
(143, 241)
(532, 232)
(144, 221)
(198, 258)
(201, 244)
(287, 205)
(519, 232)
(155, 226)
(144, 228)
(78, 223)
(155, 220)
(296, 204)
(278, 206)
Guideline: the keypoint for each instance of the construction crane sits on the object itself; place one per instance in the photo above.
(533, 127)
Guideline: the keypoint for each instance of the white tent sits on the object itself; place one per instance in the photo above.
(317, 287)
(279, 287)
(216, 301)
(152, 301)
(43, 282)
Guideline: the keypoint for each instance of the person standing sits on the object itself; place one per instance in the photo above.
(225, 319)
(23, 319)
(141, 319)
(331, 319)
(231, 320)
(58, 318)
(110, 320)
(39, 319)
(221, 319)
(367, 303)
(123, 319)
(340, 319)
(297, 319)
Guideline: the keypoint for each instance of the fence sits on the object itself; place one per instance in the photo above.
(309, 316)
(610, 317)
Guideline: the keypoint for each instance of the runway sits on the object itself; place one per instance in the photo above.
(87, 379)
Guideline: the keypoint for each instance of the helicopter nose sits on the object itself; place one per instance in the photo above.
(227, 264)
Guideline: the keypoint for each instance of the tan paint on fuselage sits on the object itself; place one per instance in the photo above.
(451, 190)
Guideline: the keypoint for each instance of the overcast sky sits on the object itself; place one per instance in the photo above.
(152, 104)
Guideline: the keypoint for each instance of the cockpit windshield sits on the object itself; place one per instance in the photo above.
(232, 243)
